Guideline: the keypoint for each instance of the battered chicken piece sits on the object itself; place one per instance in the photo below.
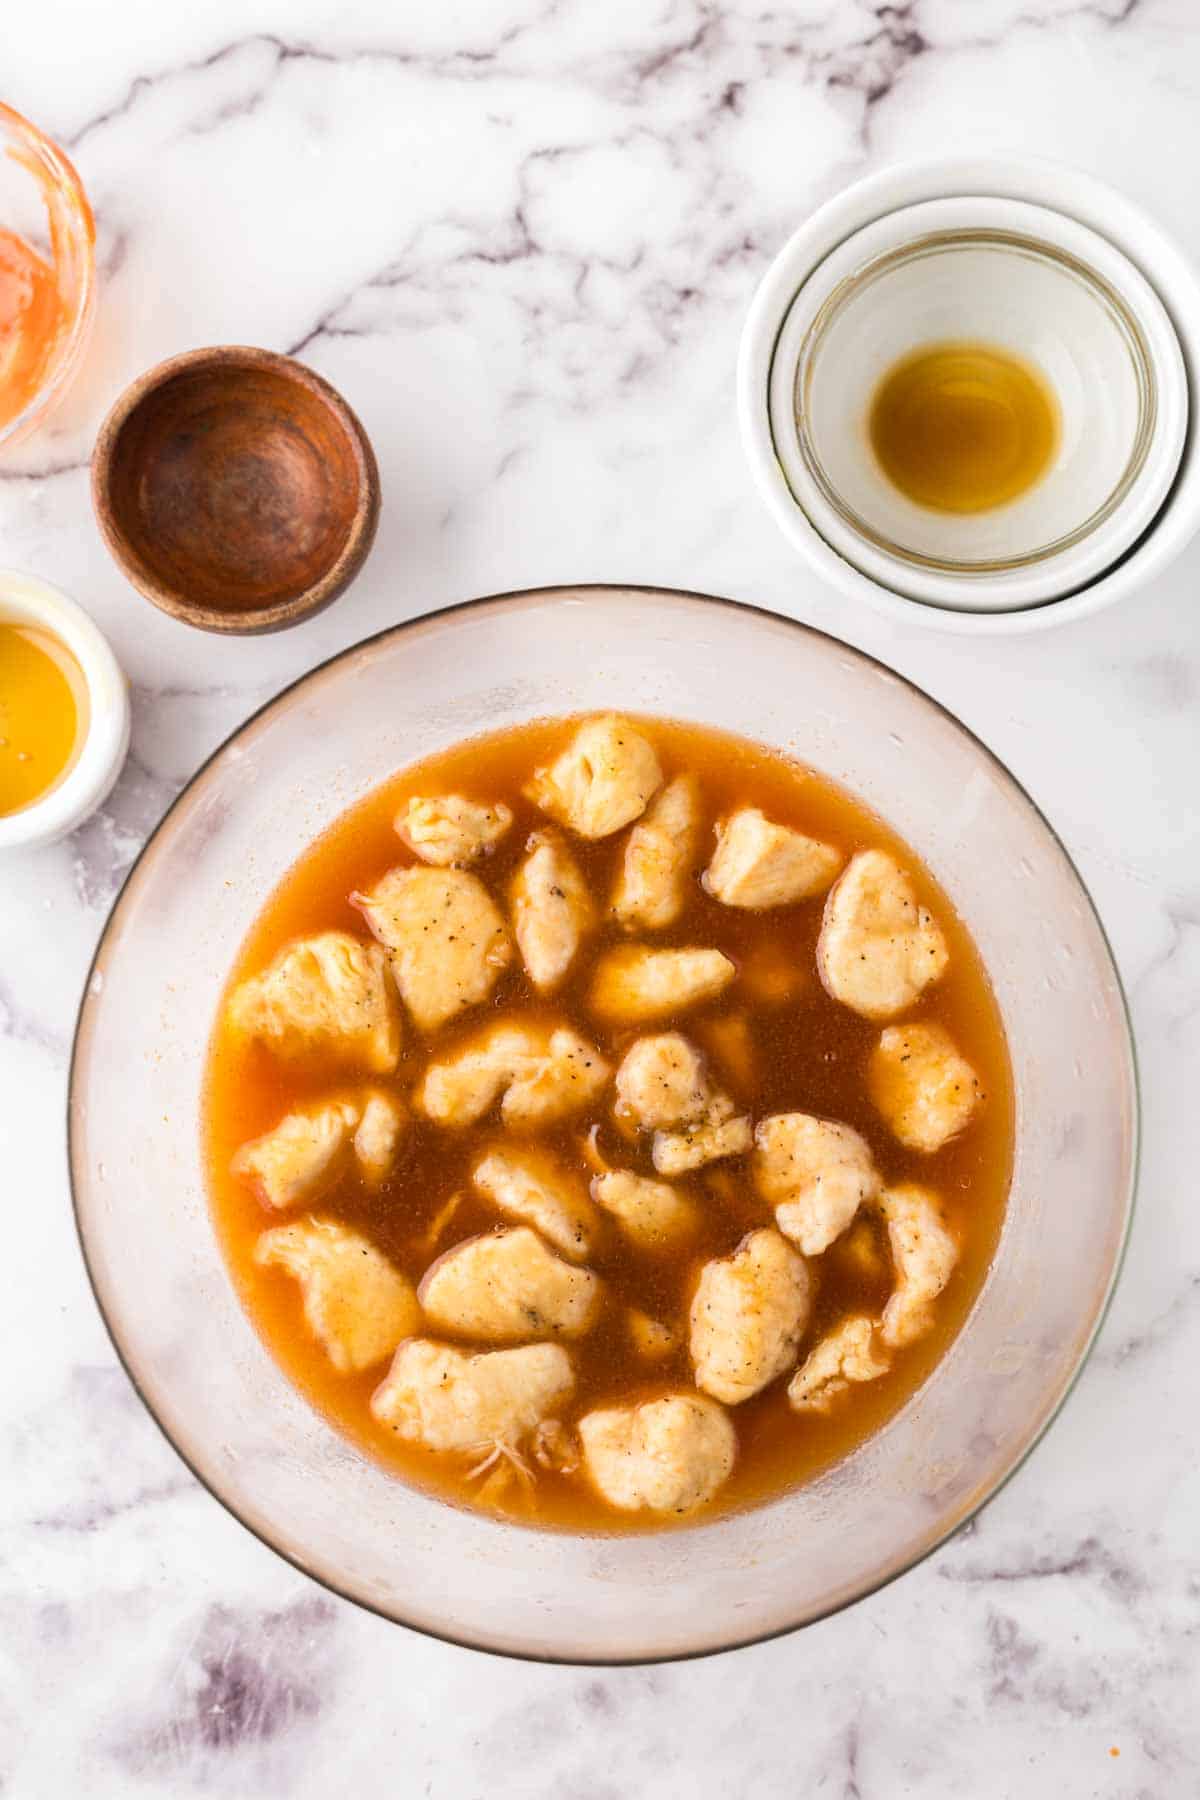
(327, 995)
(602, 780)
(665, 1456)
(543, 1075)
(553, 1447)
(719, 1133)
(650, 1337)
(507, 1284)
(356, 1304)
(635, 984)
(879, 949)
(658, 854)
(815, 1173)
(298, 1158)
(924, 1254)
(730, 1038)
(925, 1090)
(449, 1400)
(748, 1315)
(530, 1186)
(652, 1214)
(552, 910)
(758, 864)
(661, 1082)
(447, 942)
(380, 1127)
(449, 828)
(846, 1355)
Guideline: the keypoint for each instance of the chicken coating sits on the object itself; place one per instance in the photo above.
(635, 984)
(748, 1315)
(717, 1134)
(652, 1214)
(530, 1186)
(665, 1456)
(758, 864)
(651, 1338)
(925, 1090)
(380, 1127)
(661, 1082)
(447, 1399)
(301, 1156)
(447, 942)
(879, 949)
(507, 1285)
(449, 828)
(553, 1447)
(552, 910)
(356, 1304)
(602, 780)
(924, 1254)
(327, 995)
(845, 1355)
(652, 881)
(543, 1076)
(815, 1173)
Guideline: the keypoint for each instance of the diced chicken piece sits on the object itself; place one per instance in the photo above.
(924, 1254)
(567, 1075)
(658, 855)
(720, 1132)
(879, 949)
(635, 984)
(506, 1285)
(447, 942)
(846, 1355)
(449, 828)
(758, 864)
(530, 1186)
(448, 1400)
(356, 1304)
(664, 1456)
(925, 1090)
(554, 1448)
(543, 1075)
(748, 1315)
(815, 1173)
(651, 1338)
(661, 1082)
(771, 974)
(300, 1157)
(327, 995)
(380, 1127)
(602, 780)
(652, 1214)
(731, 1040)
(861, 1253)
(552, 910)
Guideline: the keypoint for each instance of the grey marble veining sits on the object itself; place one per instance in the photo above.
(521, 236)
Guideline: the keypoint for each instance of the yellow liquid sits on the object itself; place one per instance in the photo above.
(961, 427)
(43, 714)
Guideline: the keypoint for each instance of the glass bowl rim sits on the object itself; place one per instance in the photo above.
(511, 600)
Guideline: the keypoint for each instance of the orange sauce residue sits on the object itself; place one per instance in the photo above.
(32, 317)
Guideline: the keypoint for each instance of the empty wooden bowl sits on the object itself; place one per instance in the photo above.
(236, 489)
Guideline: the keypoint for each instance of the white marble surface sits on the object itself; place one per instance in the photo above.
(521, 235)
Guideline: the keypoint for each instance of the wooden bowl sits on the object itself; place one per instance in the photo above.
(236, 489)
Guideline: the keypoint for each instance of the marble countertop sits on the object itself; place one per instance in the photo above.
(521, 235)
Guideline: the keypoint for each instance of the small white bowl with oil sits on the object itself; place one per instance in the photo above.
(64, 713)
(974, 410)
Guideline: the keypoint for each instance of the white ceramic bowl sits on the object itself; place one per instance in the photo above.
(1013, 182)
(27, 600)
(1028, 280)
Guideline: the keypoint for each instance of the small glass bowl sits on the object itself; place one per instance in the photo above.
(42, 199)
(165, 1290)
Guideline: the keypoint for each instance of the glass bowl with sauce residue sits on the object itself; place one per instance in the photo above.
(142, 1197)
(47, 274)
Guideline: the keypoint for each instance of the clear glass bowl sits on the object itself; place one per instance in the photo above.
(42, 199)
(139, 1189)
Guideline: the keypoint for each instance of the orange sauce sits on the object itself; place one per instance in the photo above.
(777, 1041)
(32, 320)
